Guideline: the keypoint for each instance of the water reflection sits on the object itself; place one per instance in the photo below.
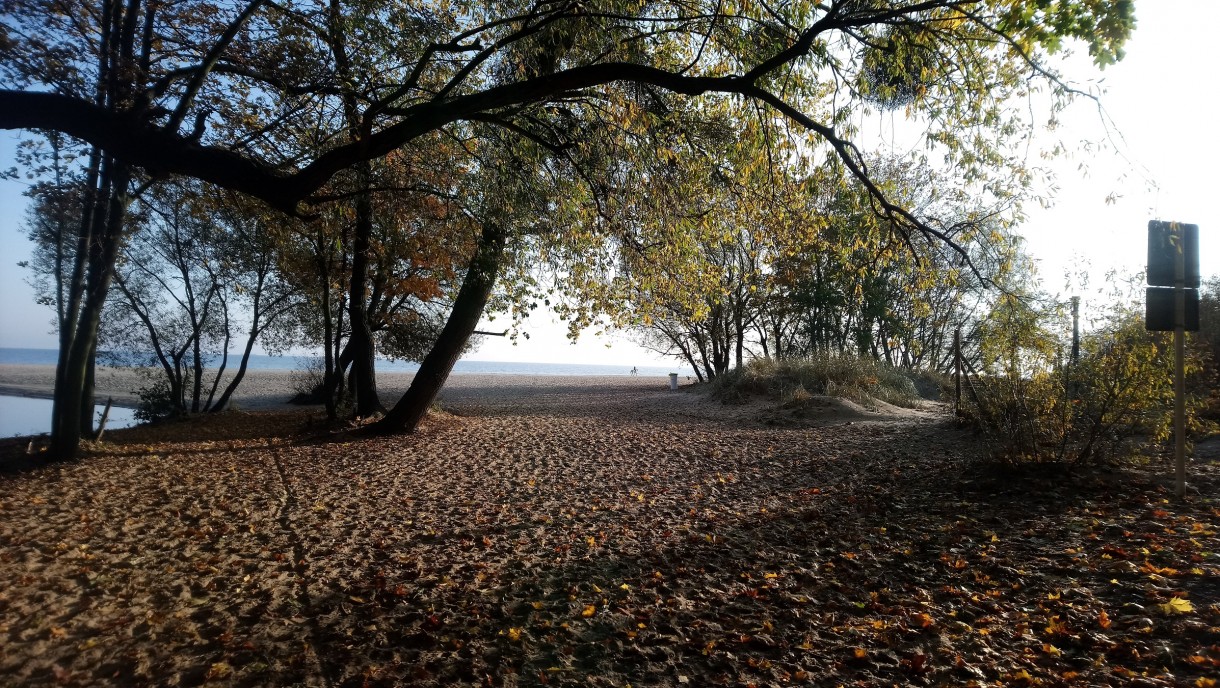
(26, 416)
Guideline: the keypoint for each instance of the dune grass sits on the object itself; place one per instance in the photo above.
(796, 381)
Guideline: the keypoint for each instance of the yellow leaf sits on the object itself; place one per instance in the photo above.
(1055, 626)
(1023, 677)
(1177, 605)
(589, 610)
(860, 653)
(514, 634)
(1205, 682)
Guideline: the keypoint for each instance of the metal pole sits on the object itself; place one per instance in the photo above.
(1179, 355)
(1075, 330)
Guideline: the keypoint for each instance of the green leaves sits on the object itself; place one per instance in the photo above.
(1103, 25)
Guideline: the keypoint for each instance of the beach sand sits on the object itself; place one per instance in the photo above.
(263, 390)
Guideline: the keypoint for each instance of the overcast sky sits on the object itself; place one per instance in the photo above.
(1161, 166)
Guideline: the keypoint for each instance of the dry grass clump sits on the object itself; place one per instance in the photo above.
(794, 382)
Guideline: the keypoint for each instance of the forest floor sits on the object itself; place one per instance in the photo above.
(568, 535)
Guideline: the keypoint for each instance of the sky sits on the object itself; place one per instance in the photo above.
(1159, 164)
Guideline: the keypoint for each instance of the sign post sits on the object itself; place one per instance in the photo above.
(1179, 373)
(1173, 261)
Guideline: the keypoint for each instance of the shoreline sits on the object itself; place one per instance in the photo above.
(267, 390)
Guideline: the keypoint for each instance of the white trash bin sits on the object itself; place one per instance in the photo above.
(673, 380)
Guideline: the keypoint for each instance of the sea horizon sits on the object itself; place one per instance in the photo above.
(35, 356)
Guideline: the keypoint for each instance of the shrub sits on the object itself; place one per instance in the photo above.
(159, 401)
(1120, 391)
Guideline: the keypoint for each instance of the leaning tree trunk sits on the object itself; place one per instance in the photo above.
(463, 319)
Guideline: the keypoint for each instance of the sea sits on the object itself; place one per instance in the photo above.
(24, 416)
(9, 356)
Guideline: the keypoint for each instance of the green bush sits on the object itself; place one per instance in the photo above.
(159, 401)
(795, 381)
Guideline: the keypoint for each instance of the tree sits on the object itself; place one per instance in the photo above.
(512, 64)
(109, 59)
(198, 267)
(417, 243)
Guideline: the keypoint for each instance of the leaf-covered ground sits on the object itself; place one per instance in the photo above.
(600, 537)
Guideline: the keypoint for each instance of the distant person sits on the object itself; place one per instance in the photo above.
(635, 371)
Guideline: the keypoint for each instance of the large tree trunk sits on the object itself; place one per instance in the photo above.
(361, 341)
(72, 380)
(86, 395)
(463, 319)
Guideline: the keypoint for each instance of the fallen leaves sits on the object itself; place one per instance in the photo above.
(469, 553)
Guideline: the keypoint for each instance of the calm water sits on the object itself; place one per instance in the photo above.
(26, 416)
(257, 362)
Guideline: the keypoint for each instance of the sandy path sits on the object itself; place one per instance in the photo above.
(573, 533)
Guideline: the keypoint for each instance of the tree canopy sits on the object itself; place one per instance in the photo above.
(427, 66)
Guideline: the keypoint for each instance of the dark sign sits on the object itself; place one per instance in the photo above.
(1165, 240)
(1159, 310)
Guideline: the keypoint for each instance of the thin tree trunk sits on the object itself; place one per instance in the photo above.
(223, 401)
(329, 338)
(739, 322)
(467, 310)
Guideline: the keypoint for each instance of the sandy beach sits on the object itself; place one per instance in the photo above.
(262, 390)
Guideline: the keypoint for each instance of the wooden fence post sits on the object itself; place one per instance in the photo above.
(101, 425)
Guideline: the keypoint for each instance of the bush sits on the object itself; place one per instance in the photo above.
(159, 401)
(1096, 410)
(796, 381)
